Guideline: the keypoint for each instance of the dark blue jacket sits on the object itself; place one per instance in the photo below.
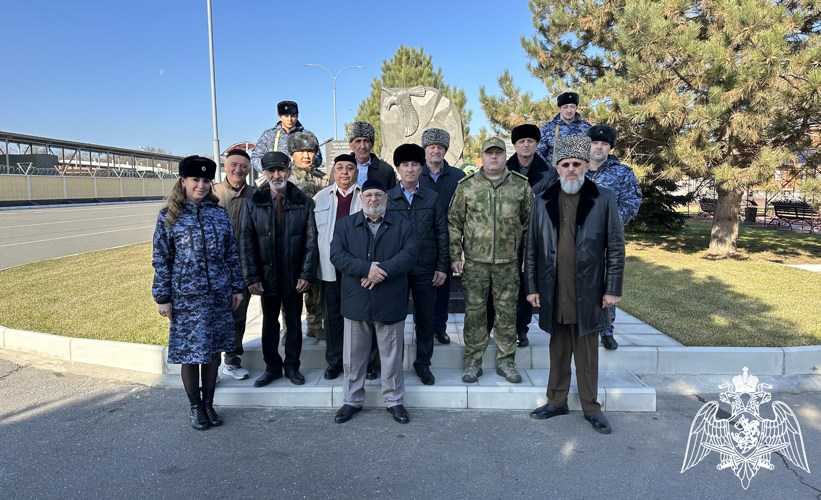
(354, 248)
(196, 255)
(430, 221)
(445, 186)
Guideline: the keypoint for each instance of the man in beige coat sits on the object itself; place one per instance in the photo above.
(336, 201)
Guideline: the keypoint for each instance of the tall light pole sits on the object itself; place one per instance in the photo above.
(213, 92)
(334, 79)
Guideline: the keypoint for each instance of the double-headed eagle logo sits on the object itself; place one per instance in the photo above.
(745, 440)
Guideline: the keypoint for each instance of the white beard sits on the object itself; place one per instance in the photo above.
(279, 186)
(377, 212)
(571, 187)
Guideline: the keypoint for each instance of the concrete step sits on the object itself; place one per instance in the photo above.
(619, 390)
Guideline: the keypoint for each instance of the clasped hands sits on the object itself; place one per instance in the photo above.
(376, 275)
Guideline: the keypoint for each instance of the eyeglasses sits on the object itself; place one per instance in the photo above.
(371, 196)
(574, 164)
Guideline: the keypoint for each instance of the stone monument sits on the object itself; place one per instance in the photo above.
(407, 112)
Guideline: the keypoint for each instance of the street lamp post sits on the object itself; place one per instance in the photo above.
(334, 79)
(214, 93)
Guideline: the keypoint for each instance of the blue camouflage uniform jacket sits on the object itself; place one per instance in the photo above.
(268, 142)
(576, 127)
(619, 177)
(197, 255)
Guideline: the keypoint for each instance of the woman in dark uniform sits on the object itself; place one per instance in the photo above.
(197, 283)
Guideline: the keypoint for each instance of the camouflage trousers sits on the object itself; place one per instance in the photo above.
(477, 278)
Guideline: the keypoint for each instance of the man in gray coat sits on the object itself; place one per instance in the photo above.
(574, 266)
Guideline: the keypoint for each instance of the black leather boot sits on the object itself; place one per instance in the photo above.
(198, 419)
(214, 420)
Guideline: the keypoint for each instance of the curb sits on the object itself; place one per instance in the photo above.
(804, 360)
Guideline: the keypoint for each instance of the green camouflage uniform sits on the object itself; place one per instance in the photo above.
(488, 220)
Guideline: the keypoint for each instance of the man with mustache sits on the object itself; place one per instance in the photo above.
(279, 258)
(374, 250)
(360, 139)
(574, 267)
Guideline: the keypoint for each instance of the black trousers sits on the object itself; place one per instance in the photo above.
(424, 297)
(441, 305)
(292, 305)
(240, 318)
(331, 299)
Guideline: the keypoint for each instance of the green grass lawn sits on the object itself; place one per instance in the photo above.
(670, 283)
(96, 295)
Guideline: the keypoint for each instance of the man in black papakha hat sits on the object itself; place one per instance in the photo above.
(567, 122)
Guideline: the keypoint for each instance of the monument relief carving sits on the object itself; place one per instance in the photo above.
(407, 112)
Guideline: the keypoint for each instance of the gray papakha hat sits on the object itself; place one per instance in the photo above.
(361, 129)
(571, 146)
(435, 136)
(301, 141)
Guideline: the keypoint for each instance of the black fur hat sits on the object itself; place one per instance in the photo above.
(526, 131)
(604, 133)
(567, 98)
(408, 152)
(197, 166)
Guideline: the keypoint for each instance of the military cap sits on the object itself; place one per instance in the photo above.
(604, 133)
(572, 146)
(435, 136)
(567, 98)
(275, 159)
(493, 142)
(287, 108)
(301, 141)
(526, 131)
(408, 152)
(361, 129)
(197, 166)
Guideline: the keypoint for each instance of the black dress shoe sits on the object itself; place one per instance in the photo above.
(345, 413)
(522, 340)
(332, 372)
(609, 342)
(371, 374)
(427, 377)
(267, 377)
(599, 423)
(400, 414)
(295, 377)
(548, 411)
(442, 337)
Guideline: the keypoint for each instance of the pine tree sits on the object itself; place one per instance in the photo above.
(720, 89)
(409, 67)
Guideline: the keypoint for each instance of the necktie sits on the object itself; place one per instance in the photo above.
(279, 209)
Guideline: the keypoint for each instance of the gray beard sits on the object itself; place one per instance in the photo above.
(571, 187)
(279, 186)
(377, 212)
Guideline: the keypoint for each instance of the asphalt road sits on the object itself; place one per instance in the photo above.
(75, 435)
(32, 235)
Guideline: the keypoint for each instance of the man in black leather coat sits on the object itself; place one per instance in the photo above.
(279, 256)
(574, 266)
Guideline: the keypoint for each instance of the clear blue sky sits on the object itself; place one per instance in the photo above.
(136, 73)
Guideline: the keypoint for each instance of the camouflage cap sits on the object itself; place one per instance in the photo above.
(302, 140)
(493, 142)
